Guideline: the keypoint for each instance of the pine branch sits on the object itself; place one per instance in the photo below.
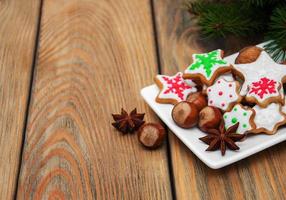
(277, 33)
(221, 19)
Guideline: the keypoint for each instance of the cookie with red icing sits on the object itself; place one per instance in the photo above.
(263, 80)
(224, 94)
(173, 89)
(263, 91)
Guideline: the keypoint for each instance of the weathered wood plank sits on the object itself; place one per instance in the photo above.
(258, 177)
(94, 57)
(18, 28)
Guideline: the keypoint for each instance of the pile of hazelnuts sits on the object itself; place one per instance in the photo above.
(195, 111)
(186, 114)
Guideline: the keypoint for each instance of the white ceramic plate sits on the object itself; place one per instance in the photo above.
(189, 137)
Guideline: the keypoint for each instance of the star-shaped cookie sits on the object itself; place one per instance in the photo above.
(267, 120)
(263, 80)
(173, 89)
(207, 67)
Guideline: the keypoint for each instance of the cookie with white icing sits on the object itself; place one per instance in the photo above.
(263, 91)
(223, 94)
(207, 67)
(267, 120)
(241, 114)
(263, 80)
(173, 89)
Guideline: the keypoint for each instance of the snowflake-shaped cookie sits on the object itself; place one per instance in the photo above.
(267, 120)
(223, 94)
(173, 89)
(240, 114)
(263, 91)
(262, 79)
(207, 67)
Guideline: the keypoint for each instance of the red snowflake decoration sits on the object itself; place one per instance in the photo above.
(176, 85)
(264, 86)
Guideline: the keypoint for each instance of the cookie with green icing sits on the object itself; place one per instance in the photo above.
(241, 114)
(207, 67)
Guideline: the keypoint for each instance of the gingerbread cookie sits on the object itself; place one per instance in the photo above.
(207, 67)
(241, 114)
(263, 91)
(223, 94)
(173, 89)
(263, 80)
(267, 120)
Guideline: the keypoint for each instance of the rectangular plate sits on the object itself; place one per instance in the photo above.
(189, 137)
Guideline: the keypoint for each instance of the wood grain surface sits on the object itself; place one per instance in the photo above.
(94, 56)
(18, 28)
(261, 176)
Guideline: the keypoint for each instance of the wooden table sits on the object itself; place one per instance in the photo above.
(66, 65)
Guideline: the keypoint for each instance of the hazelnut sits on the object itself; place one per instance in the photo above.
(209, 118)
(185, 114)
(248, 55)
(151, 135)
(198, 99)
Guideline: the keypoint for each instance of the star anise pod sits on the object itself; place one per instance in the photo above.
(128, 123)
(221, 138)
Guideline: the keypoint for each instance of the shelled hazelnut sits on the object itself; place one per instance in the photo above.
(199, 99)
(185, 114)
(151, 135)
(209, 118)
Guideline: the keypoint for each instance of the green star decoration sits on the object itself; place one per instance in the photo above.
(207, 61)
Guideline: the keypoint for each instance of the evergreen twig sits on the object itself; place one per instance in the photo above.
(277, 34)
(218, 18)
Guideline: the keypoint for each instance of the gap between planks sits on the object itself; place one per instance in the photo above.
(35, 56)
(159, 67)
